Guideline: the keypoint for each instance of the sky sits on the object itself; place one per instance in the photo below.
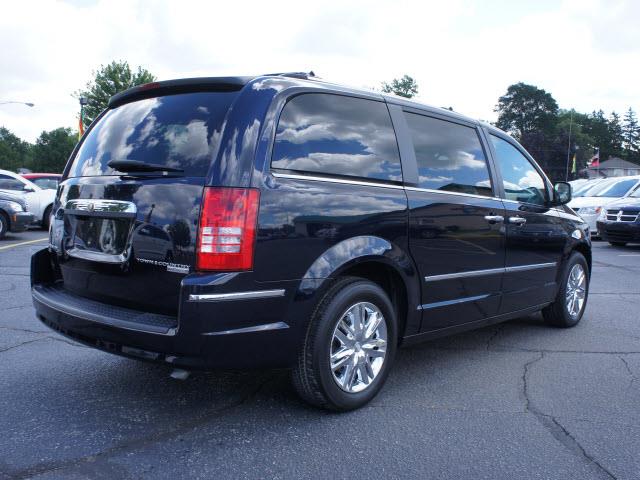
(462, 53)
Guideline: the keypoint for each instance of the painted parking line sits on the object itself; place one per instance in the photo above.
(629, 254)
(24, 243)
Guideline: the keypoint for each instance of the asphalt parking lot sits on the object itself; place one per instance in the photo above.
(519, 400)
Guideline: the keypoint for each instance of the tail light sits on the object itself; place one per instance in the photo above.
(227, 231)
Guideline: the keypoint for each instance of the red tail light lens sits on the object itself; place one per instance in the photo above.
(227, 230)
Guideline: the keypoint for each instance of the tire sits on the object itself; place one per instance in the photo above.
(46, 217)
(618, 244)
(313, 376)
(4, 225)
(558, 314)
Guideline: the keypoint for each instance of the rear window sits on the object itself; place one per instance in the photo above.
(337, 135)
(180, 131)
(46, 183)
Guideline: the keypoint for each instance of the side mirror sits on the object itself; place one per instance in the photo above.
(27, 189)
(561, 193)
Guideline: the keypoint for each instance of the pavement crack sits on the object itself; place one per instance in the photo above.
(629, 371)
(13, 329)
(494, 335)
(572, 444)
(525, 384)
(557, 430)
(21, 344)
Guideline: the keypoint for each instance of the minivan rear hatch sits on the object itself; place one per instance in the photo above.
(129, 208)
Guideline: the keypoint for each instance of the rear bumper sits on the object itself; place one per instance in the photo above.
(218, 331)
(624, 232)
(20, 221)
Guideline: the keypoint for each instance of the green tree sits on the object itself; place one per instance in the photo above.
(616, 134)
(109, 80)
(403, 87)
(526, 109)
(52, 149)
(597, 127)
(630, 134)
(14, 153)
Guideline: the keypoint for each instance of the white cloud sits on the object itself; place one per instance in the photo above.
(463, 54)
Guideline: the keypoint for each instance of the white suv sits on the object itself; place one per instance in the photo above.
(39, 200)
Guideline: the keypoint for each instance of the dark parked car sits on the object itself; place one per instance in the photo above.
(310, 225)
(619, 224)
(14, 216)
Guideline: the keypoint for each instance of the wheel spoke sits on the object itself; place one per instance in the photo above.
(362, 373)
(360, 317)
(374, 322)
(371, 353)
(342, 338)
(339, 358)
(348, 377)
(375, 342)
(369, 368)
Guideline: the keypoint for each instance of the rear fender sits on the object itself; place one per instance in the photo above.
(357, 250)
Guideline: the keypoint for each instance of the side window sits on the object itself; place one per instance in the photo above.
(449, 156)
(521, 180)
(10, 183)
(337, 135)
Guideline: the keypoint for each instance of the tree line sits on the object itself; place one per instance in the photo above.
(552, 135)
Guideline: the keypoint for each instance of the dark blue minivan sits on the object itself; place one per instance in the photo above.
(283, 221)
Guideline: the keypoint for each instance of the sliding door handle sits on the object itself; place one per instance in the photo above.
(494, 219)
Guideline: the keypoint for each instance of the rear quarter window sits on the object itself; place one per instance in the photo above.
(337, 135)
(181, 131)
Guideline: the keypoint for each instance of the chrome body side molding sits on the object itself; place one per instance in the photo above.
(490, 271)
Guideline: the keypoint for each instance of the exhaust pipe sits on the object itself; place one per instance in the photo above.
(179, 374)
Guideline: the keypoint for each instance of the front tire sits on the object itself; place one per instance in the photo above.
(4, 225)
(567, 309)
(349, 346)
(46, 218)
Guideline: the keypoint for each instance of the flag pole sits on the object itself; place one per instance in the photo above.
(566, 178)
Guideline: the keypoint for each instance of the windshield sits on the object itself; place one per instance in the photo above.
(616, 189)
(180, 131)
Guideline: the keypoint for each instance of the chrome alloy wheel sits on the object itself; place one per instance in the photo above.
(358, 347)
(576, 290)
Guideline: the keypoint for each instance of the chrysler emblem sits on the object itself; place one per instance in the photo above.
(619, 216)
(90, 207)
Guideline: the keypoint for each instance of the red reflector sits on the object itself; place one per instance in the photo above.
(227, 230)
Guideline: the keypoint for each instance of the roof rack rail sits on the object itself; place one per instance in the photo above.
(303, 75)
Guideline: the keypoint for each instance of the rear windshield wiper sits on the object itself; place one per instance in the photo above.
(138, 166)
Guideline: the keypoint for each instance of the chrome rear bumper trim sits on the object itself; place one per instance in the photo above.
(256, 328)
(223, 297)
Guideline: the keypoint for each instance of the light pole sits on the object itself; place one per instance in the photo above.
(28, 104)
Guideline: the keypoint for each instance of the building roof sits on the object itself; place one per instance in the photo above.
(615, 162)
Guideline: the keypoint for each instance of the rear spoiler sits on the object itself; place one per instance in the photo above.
(183, 85)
